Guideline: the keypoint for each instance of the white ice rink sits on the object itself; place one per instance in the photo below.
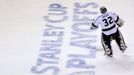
(21, 34)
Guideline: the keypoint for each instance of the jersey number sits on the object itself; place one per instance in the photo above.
(108, 21)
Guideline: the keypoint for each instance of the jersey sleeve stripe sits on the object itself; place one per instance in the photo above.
(117, 19)
(94, 25)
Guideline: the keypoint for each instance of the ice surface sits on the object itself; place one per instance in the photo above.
(21, 30)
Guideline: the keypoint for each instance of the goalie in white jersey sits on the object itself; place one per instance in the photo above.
(109, 22)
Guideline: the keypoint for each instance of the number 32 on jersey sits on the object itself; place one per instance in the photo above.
(108, 21)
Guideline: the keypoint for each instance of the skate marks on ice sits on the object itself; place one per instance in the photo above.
(121, 65)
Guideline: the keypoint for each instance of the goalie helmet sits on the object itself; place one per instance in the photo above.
(103, 9)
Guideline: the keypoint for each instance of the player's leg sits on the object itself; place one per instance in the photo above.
(120, 41)
(123, 41)
(106, 43)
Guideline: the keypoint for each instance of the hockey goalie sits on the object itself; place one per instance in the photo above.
(110, 22)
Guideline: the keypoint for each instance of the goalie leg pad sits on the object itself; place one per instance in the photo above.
(106, 43)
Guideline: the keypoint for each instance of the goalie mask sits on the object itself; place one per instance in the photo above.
(103, 9)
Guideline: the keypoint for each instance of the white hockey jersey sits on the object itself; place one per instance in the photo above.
(108, 22)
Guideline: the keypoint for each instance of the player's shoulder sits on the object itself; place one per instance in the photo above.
(98, 17)
(111, 13)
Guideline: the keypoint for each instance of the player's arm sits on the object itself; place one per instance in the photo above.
(118, 20)
(94, 25)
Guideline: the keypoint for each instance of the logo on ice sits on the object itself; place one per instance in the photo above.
(68, 44)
